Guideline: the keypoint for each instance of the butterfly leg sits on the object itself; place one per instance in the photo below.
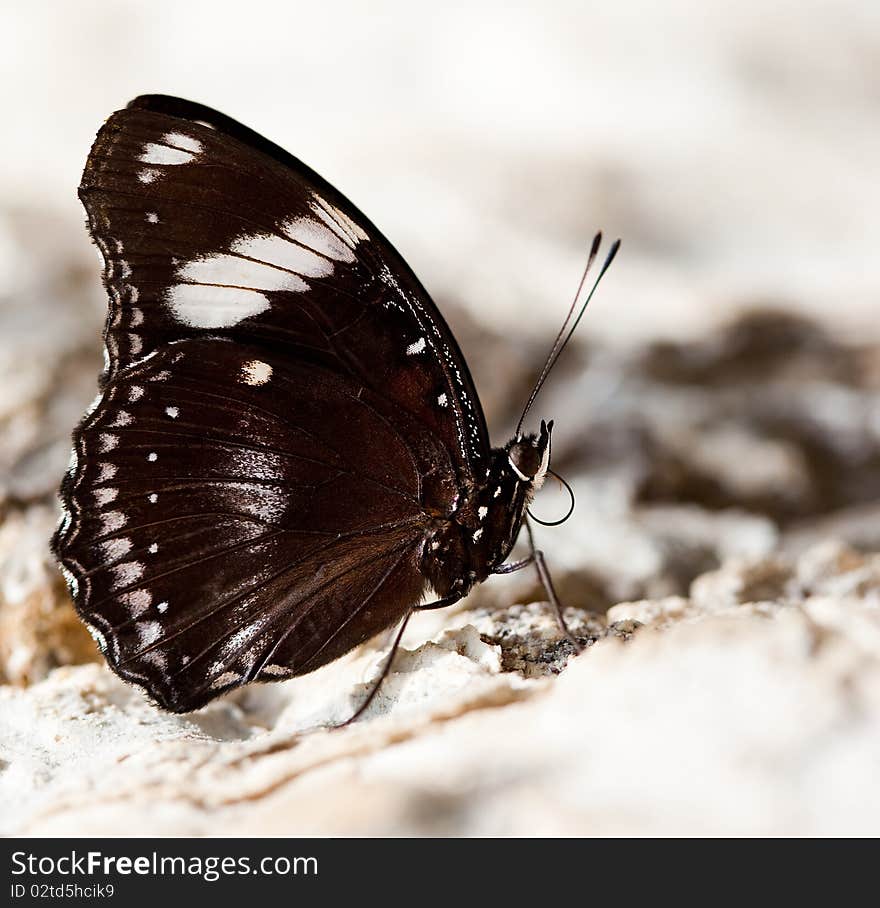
(386, 668)
(513, 566)
(382, 675)
(537, 558)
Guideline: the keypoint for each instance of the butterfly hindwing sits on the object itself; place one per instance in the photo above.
(234, 517)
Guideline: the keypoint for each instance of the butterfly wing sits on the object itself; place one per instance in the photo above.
(204, 225)
(284, 412)
(252, 529)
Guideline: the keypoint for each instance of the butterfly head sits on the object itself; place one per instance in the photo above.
(528, 456)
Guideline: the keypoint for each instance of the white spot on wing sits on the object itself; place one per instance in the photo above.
(135, 392)
(266, 502)
(152, 217)
(336, 220)
(112, 521)
(126, 573)
(477, 534)
(173, 412)
(138, 601)
(154, 547)
(482, 512)
(152, 497)
(156, 153)
(175, 148)
(244, 634)
(148, 632)
(416, 347)
(317, 236)
(274, 250)
(254, 265)
(255, 372)
(152, 456)
(160, 660)
(234, 271)
(147, 175)
(181, 140)
(162, 607)
(112, 549)
(442, 400)
(213, 307)
(107, 442)
(224, 679)
(106, 471)
(105, 496)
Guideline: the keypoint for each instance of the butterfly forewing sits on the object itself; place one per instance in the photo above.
(202, 230)
(284, 412)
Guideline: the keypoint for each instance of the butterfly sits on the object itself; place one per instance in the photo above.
(287, 451)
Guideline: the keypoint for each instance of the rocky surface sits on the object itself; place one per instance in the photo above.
(752, 706)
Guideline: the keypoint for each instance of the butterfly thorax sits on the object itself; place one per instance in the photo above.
(464, 547)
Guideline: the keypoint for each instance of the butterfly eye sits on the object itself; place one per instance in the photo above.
(525, 459)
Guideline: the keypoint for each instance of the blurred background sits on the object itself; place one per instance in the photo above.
(721, 400)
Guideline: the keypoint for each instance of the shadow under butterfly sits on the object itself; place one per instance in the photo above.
(287, 451)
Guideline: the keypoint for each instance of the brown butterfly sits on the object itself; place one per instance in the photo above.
(288, 451)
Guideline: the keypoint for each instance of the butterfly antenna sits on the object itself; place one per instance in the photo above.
(565, 333)
(594, 249)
